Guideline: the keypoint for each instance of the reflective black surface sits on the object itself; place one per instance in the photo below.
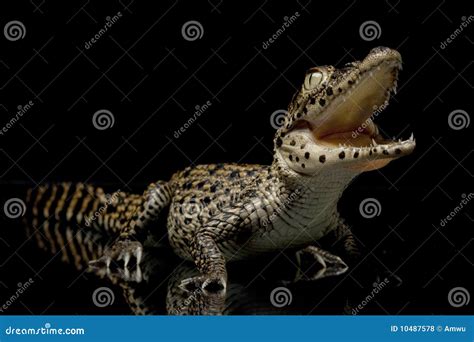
(151, 79)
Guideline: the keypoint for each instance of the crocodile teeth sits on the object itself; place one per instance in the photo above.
(412, 138)
(374, 142)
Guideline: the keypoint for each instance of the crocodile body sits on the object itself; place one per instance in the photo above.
(224, 212)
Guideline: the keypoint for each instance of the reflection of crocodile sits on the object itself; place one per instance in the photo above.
(227, 212)
(255, 287)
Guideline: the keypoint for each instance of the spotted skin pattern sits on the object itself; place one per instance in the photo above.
(224, 212)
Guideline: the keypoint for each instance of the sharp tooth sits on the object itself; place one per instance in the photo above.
(373, 142)
(411, 137)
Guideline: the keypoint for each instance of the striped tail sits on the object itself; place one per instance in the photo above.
(76, 220)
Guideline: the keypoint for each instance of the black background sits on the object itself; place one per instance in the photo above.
(151, 79)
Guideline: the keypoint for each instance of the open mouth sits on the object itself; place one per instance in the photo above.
(348, 119)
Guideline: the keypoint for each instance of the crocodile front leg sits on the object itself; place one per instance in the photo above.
(206, 245)
(136, 217)
(209, 261)
(319, 263)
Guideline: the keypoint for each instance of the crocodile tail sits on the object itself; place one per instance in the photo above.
(72, 244)
(67, 202)
(75, 220)
(83, 204)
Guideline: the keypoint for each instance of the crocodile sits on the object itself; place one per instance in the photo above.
(220, 213)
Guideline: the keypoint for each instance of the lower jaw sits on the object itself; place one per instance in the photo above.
(369, 165)
(373, 152)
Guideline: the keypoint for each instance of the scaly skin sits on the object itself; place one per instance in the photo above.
(224, 212)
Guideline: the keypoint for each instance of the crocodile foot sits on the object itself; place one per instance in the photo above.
(208, 284)
(121, 250)
(316, 263)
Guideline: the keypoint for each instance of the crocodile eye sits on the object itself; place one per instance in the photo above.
(312, 80)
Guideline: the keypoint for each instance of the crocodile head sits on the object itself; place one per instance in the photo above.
(330, 119)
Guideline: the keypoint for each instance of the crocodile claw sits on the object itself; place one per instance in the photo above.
(209, 285)
(121, 250)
